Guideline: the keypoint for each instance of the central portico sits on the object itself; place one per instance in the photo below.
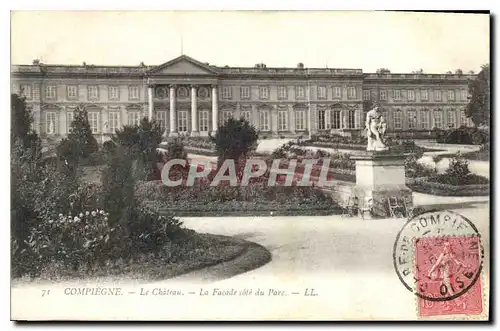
(188, 90)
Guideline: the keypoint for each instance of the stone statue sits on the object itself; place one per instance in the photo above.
(375, 130)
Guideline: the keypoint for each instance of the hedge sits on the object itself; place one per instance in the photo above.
(424, 185)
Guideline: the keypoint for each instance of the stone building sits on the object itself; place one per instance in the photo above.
(189, 97)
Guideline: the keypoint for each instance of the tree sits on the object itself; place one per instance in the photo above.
(21, 120)
(383, 71)
(141, 142)
(81, 136)
(234, 139)
(478, 108)
(459, 72)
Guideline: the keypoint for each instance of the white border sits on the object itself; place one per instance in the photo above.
(188, 5)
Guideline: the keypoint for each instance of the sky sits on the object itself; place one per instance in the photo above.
(402, 42)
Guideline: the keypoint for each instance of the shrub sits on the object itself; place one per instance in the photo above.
(109, 146)
(459, 167)
(464, 135)
(415, 169)
(175, 149)
(86, 238)
(235, 139)
(82, 141)
(150, 231)
(141, 142)
(118, 187)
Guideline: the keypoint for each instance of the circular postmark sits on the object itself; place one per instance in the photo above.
(438, 255)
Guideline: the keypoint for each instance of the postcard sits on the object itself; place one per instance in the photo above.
(250, 166)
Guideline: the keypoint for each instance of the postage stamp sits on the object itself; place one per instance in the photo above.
(445, 270)
(438, 256)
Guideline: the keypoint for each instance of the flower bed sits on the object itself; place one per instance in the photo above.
(255, 199)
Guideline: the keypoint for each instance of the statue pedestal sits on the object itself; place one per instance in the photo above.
(379, 176)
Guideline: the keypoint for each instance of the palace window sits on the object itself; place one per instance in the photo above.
(161, 118)
(113, 121)
(51, 122)
(264, 92)
(72, 91)
(351, 119)
(300, 120)
(412, 119)
(424, 95)
(463, 118)
(227, 92)
(451, 118)
(383, 94)
(93, 92)
(25, 91)
(182, 121)
(437, 95)
(411, 95)
(282, 120)
(438, 119)
(424, 119)
(133, 92)
(69, 119)
(451, 95)
(337, 92)
(203, 121)
(264, 120)
(226, 115)
(397, 94)
(335, 119)
(246, 116)
(282, 92)
(385, 116)
(351, 92)
(245, 92)
(321, 119)
(114, 93)
(134, 118)
(300, 92)
(94, 121)
(464, 95)
(50, 92)
(366, 94)
(322, 92)
(398, 114)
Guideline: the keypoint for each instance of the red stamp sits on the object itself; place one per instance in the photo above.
(447, 273)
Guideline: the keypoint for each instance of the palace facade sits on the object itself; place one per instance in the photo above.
(189, 97)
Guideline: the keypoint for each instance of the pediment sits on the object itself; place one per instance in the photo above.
(183, 65)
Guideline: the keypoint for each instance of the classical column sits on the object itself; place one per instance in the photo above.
(343, 113)
(215, 109)
(194, 112)
(150, 102)
(173, 119)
